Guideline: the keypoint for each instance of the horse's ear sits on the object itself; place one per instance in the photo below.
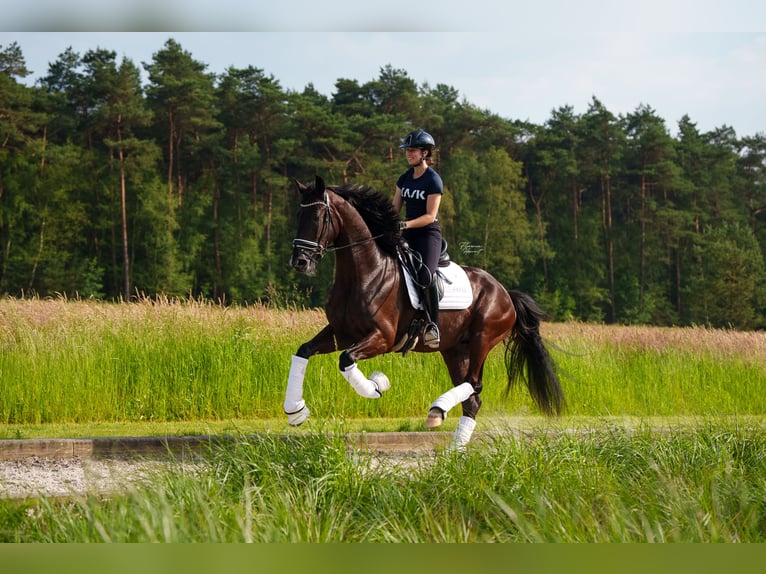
(299, 186)
(319, 184)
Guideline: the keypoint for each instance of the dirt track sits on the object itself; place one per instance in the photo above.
(57, 477)
(69, 467)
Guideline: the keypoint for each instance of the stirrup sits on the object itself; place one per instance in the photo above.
(431, 337)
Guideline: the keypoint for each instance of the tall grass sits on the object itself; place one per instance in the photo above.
(83, 361)
(701, 485)
(651, 371)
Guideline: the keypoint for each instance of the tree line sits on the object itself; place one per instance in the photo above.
(181, 185)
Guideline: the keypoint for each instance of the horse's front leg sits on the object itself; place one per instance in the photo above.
(371, 346)
(295, 407)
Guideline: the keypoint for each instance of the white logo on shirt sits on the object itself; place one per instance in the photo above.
(414, 194)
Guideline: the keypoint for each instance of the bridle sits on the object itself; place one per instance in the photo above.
(314, 250)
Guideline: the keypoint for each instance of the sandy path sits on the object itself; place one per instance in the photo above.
(35, 476)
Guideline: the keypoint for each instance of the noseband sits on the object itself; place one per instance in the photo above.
(315, 250)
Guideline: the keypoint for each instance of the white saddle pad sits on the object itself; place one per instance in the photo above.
(457, 288)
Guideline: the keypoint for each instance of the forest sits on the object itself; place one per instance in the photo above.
(181, 185)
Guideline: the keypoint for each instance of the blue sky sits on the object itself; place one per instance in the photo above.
(702, 58)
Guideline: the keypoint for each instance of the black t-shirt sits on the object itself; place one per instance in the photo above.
(416, 191)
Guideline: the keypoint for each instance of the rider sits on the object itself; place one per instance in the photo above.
(421, 189)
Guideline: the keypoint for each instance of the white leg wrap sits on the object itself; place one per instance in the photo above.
(453, 397)
(361, 384)
(295, 407)
(462, 434)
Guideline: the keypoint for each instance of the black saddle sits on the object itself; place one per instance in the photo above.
(444, 259)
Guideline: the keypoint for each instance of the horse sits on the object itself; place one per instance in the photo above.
(369, 311)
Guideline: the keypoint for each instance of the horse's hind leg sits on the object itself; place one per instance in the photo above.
(466, 389)
(441, 406)
(467, 423)
(466, 392)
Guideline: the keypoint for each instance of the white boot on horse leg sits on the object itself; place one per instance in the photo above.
(441, 406)
(381, 380)
(462, 436)
(295, 407)
(371, 388)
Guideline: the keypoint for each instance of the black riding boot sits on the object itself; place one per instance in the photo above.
(431, 337)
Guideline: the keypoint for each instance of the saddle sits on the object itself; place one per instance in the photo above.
(413, 264)
(418, 277)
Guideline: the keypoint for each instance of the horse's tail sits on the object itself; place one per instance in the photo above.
(525, 352)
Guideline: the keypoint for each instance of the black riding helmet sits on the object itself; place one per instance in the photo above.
(419, 139)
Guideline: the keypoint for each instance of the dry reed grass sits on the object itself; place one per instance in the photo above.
(68, 316)
(749, 346)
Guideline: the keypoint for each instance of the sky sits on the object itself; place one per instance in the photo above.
(701, 58)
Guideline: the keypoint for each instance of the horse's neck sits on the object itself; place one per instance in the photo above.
(362, 273)
(358, 257)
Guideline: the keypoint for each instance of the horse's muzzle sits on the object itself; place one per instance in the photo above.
(303, 263)
(306, 255)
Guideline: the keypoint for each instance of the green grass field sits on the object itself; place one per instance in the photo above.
(70, 366)
(663, 440)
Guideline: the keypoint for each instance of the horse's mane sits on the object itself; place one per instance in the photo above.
(377, 211)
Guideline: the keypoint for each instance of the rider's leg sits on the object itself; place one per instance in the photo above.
(427, 242)
(431, 336)
(432, 249)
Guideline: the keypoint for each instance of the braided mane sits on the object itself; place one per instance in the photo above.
(377, 211)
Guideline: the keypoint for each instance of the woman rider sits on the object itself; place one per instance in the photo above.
(420, 188)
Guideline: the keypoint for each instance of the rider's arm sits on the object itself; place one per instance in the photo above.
(432, 210)
(398, 199)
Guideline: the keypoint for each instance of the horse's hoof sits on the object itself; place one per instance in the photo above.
(435, 418)
(297, 419)
(381, 381)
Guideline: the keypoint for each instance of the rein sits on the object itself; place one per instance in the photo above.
(314, 247)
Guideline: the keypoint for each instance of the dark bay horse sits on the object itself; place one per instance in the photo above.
(369, 312)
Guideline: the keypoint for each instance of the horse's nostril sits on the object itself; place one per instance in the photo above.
(299, 263)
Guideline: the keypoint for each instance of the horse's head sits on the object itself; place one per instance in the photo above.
(315, 227)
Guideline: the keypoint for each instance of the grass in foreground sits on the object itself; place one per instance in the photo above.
(706, 484)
